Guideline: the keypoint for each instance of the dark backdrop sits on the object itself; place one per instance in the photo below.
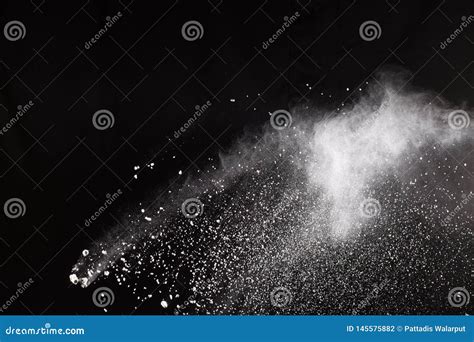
(151, 79)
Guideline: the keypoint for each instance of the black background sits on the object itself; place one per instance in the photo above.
(151, 78)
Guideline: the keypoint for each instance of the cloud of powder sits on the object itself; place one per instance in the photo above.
(277, 193)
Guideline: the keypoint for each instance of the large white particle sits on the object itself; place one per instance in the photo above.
(73, 278)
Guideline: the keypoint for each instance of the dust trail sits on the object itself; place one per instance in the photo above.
(311, 218)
